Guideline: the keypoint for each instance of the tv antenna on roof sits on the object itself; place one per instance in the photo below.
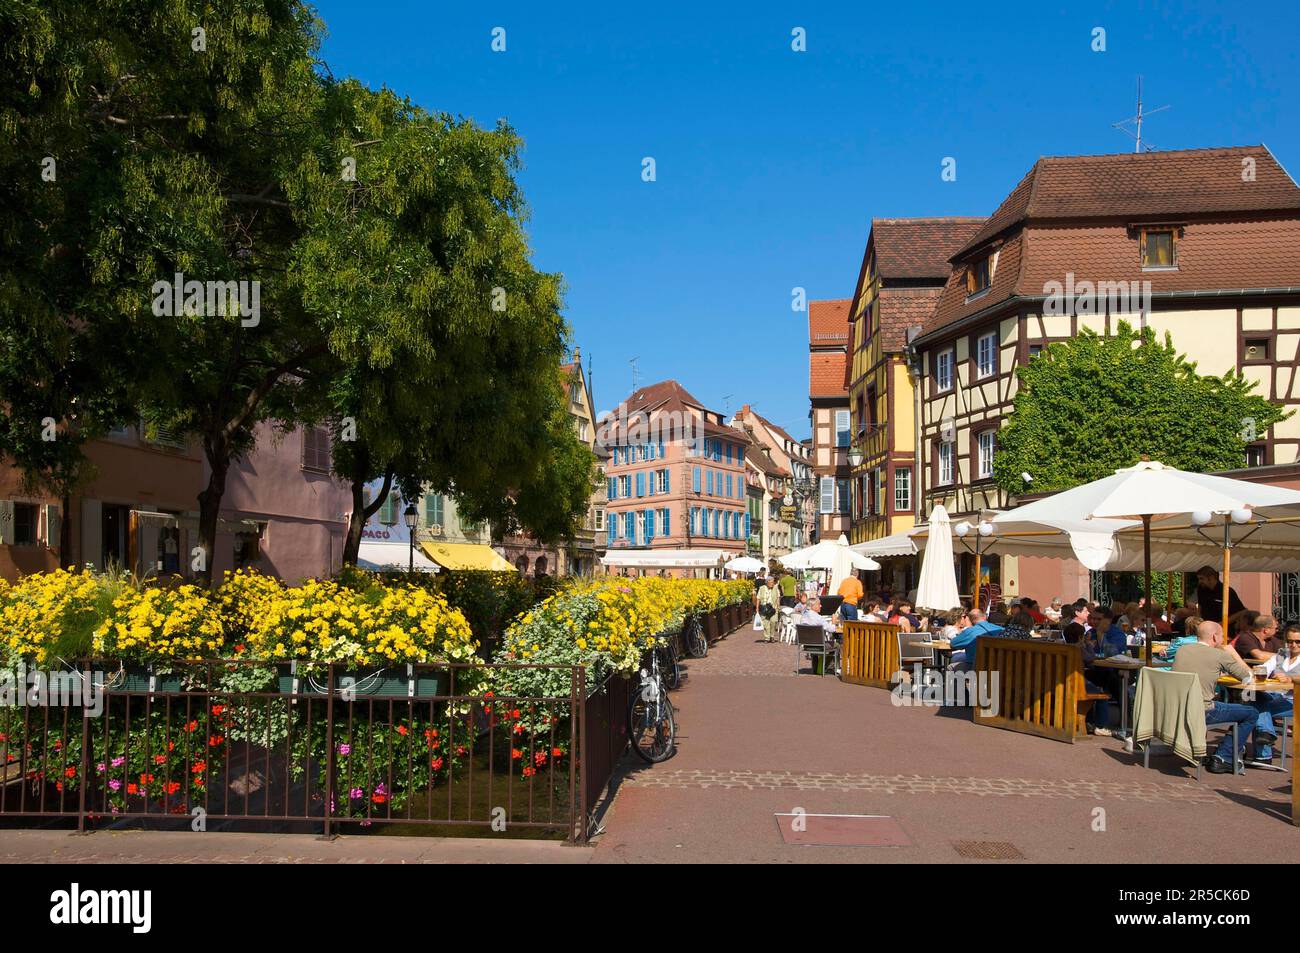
(633, 361)
(726, 400)
(1136, 121)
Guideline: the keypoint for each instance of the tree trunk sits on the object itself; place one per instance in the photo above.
(218, 457)
(361, 513)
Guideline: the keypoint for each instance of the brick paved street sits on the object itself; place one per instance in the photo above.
(752, 745)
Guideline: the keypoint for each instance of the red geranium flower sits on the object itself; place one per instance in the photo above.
(379, 798)
(516, 754)
(436, 764)
(132, 789)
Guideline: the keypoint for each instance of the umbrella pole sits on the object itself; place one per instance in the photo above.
(1227, 572)
(1146, 572)
(975, 599)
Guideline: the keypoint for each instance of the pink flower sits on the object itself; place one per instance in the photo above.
(356, 794)
(345, 749)
(115, 784)
(118, 761)
(100, 767)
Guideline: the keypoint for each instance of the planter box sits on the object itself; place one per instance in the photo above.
(395, 682)
(142, 678)
(711, 627)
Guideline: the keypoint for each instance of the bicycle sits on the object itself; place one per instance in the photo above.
(697, 646)
(651, 723)
(672, 670)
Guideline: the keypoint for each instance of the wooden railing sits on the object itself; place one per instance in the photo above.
(870, 654)
(1036, 686)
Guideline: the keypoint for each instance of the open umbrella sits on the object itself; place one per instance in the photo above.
(745, 564)
(834, 555)
(1152, 491)
(938, 586)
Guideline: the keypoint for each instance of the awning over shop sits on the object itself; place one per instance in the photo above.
(392, 557)
(466, 556)
(900, 544)
(665, 558)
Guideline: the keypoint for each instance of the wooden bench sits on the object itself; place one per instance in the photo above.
(1040, 688)
(869, 655)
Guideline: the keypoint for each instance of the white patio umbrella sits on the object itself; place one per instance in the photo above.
(1152, 491)
(938, 586)
(834, 555)
(745, 564)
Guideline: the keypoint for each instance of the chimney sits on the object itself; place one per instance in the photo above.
(577, 355)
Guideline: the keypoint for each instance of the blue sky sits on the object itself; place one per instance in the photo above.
(771, 163)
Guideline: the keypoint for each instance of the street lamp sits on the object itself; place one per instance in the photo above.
(855, 457)
(983, 531)
(411, 516)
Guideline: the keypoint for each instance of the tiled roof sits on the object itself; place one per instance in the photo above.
(759, 457)
(902, 308)
(1183, 182)
(828, 322)
(826, 373)
(919, 247)
(1072, 215)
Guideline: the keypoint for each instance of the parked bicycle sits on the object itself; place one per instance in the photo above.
(697, 646)
(651, 722)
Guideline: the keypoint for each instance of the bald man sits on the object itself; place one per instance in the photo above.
(1208, 658)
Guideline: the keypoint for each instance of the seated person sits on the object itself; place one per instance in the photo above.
(1283, 665)
(1189, 636)
(963, 646)
(1207, 658)
(1109, 637)
(998, 613)
(1021, 625)
(809, 612)
(1099, 714)
(873, 612)
(1160, 620)
(952, 622)
(1054, 611)
(904, 614)
(1260, 643)
(1074, 623)
(1031, 606)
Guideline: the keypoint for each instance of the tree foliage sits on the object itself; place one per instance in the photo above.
(1094, 404)
(208, 139)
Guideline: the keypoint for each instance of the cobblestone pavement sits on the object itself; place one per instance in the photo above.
(919, 784)
(755, 742)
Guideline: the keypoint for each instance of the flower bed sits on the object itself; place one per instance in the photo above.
(607, 625)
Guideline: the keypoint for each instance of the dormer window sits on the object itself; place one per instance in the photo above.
(1158, 248)
(979, 275)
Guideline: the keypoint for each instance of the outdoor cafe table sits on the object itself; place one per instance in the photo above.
(1124, 664)
(941, 647)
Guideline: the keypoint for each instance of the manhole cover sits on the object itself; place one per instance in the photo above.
(987, 850)
(842, 830)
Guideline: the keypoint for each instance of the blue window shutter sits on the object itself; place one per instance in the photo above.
(661, 448)
(609, 526)
(647, 519)
(668, 488)
(640, 484)
(747, 526)
(611, 488)
(708, 482)
(650, 480)
(696, 481)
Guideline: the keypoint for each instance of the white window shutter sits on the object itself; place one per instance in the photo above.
(53, 525)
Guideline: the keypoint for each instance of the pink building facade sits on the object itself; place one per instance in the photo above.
(675, 478)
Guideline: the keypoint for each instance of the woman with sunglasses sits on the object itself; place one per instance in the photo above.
(1284, 665)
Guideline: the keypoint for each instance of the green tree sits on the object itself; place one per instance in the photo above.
(1093, 404)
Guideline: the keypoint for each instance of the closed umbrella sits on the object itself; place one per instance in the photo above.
(938, 586)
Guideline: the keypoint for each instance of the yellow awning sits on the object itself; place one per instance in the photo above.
(465, 556)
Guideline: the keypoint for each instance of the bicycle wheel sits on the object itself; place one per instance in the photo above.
(697, 646)
(651, 729)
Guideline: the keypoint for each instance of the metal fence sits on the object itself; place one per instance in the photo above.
(432, 748)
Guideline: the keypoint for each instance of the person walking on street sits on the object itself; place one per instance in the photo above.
(788, 589)
(768, 601)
